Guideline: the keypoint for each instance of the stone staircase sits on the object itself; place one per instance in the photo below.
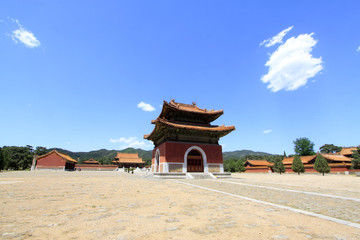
(189, 175)
(222, 175)
(199, 175)
(169, 175)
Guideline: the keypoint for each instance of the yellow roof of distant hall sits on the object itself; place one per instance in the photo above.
(128, 158)
(62, 155)
(348, 150)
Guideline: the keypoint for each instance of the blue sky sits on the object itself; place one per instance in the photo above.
(86, 75)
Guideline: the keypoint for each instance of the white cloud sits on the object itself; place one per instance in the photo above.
(132, 142)
(267, 131)
(146, 107)
(24, 36)
(358, 50)
(291, 65)
(276, 39)
(123, 140)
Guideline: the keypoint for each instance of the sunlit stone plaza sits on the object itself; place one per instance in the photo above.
(119, 205)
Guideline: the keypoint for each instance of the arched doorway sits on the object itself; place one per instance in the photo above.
(157, 160)
(195, 161)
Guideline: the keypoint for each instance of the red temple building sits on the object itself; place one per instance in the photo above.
(337, 162)
(185, 141)
(91, 161)
(257, 166)
(53, 160)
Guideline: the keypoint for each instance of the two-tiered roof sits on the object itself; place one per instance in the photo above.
(185, 122)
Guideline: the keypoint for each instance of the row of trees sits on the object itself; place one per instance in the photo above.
(234, 165)
(18, 158)
(304, 147)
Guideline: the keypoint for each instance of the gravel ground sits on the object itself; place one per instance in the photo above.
(338, 208)
(354, 193)
(113, 205)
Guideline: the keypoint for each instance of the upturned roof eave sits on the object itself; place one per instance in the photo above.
(196, 127)
(215, 113)
(162, 122)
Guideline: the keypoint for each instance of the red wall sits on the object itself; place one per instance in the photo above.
(307, 170)
(52, 160)
(257, 170)
(96, 166)
(312, 170)
(174, 152)
(338, 169)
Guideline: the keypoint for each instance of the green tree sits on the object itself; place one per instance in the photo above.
(356, 159)
(239, 166)
(230, 165)
(40, 151)
(304, 147)
(330, 148)
(5, 157)
(297, 165)
(279, 166)
(321, 165)
(2, 160)
(285, 154)
(18, 157)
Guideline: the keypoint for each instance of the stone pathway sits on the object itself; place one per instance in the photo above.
(293, 190)
(333, 207)
(343, 192)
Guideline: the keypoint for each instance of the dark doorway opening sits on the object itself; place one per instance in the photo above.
(195, 162)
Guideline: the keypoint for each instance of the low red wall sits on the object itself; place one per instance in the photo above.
(307, 169)
(339, 169)
(312, 170)
(49, 167)
(257, 170)
(95, 167)
(175, 152)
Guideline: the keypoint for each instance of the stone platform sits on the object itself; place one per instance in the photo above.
(222, 175)
(170, 175)
(191, 175)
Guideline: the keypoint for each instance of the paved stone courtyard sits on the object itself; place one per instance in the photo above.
(114, 205)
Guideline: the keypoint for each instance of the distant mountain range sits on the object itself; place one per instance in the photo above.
(243, 153)
(145, 155)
